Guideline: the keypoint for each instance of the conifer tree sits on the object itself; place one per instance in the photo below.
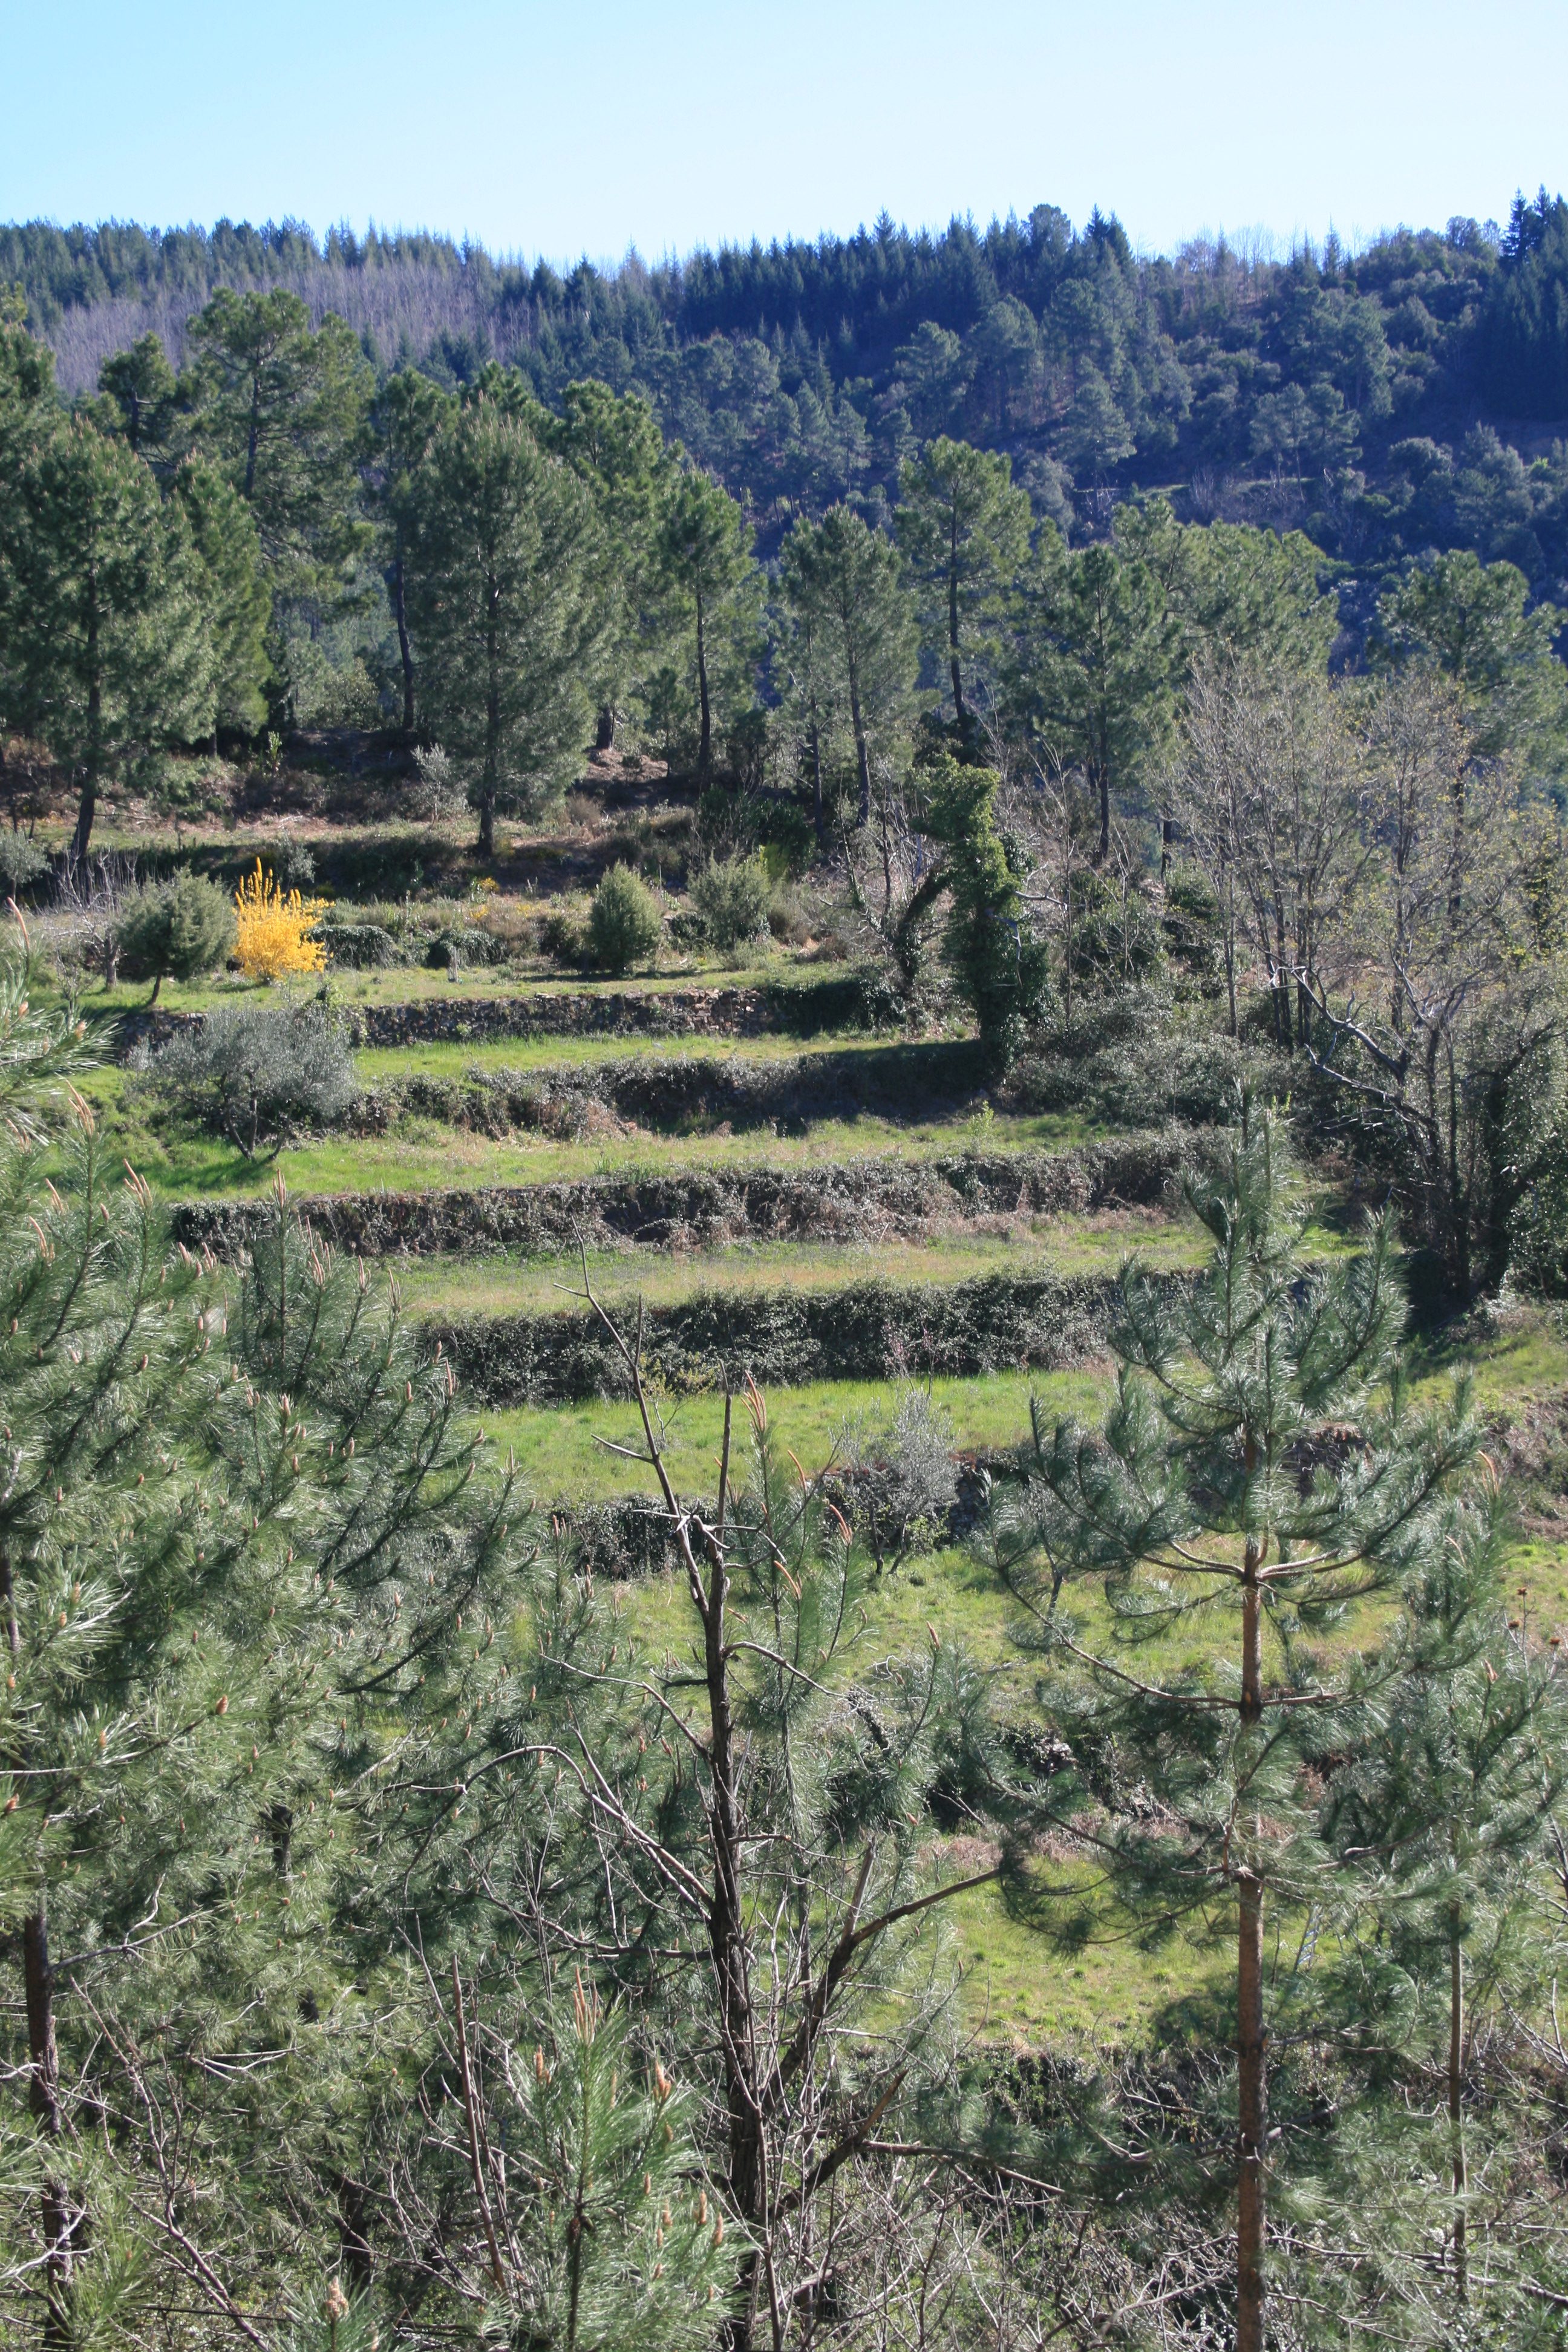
(238, 1536)
(406, 419)
(109, 635)
(222, 571)
(710, 584)
(844, 580)
(506, 625)
(612, 442)
(963, 529)
(1446, 1818)
(1263, 1464)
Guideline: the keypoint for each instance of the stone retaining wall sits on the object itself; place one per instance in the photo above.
(886, 1197)
(810, 1009)
(787, 1337)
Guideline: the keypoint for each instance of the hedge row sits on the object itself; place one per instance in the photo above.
(884, 1198)
(631, 1535)
(687, 1093)
(848, 1001)
(784, 1337)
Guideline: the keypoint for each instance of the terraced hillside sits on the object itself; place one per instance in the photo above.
(848, 1217)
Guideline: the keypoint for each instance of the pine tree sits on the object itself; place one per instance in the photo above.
(964, 532)
(1095, 680)
(1263, 1463)
(109, 635)
(281, 407)
(1445, 1819)
(240, 1528)
(615, 2239)
(612, 442)
(222, 571)
(710, 586)
(406, 419)
(505, 622)
(844, 580)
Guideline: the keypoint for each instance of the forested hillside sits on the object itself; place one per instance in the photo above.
(1403, 397)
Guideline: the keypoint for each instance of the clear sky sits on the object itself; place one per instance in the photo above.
(586, 126)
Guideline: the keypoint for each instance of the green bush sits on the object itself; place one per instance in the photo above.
(174, 930)
(624, 924)
(455, 948)
(22, 860)
(561, 939)
(251, 1070)
(360, 947)
(732, 895)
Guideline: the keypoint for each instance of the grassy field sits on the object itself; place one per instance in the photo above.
(181, 1163)
(1061, 1245)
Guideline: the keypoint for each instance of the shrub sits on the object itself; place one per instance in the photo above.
(274, 928)
(559, 937)
(624, 924)
(1117, 940)
(451, 949)
(252, 1069)
(294, 864)
(22, 860)
(360, 947)
(173, 930)
(787, 917)
(731, 895)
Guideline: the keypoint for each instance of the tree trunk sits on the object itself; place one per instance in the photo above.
(405, 650)
(705, 730)
(604, 729)
(1456, 2098)
(1103, 782)
(862, 756)
(94, 763)
(253, 437)
(727, 1943)
(958, 710)
(43, 2052)
(816, 809)
(487, 781)
(1251, 2078)
(44, 2099)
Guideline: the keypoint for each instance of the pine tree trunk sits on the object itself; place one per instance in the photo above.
(43, 2052)
(816, 809)
(94, 763)
(487, 781)
(727, 1943)
(605, 731)
(958, 710)
(705, 730)
(405, 650)
(1457, 2099)
(44, 2099)
(1251, 2084)
(862, 755)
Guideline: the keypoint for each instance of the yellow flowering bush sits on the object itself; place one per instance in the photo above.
(275, 928)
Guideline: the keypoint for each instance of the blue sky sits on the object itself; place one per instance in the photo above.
(569, 129)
